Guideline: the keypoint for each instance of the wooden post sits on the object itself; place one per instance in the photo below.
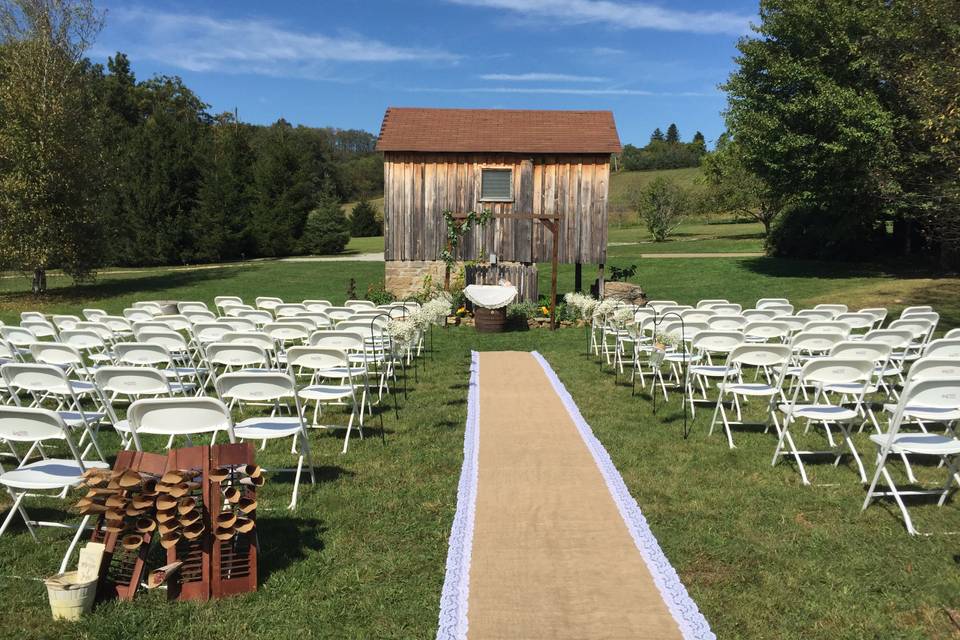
(600, 282)
(578, 277)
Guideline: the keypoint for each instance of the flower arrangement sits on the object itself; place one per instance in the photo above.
(402, 331)
(436, 310)
(581, 305)
(624, 316)
(606, 307)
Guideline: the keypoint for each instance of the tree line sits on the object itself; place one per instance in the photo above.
(664, 151)
(100, 168)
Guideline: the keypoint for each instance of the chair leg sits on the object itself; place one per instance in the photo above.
(73, 543)
(296, 483)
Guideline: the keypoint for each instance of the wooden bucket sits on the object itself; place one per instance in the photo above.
(490, 320)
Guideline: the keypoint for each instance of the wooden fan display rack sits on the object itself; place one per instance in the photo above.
(200, 502)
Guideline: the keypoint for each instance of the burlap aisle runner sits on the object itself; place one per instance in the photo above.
(547, 542)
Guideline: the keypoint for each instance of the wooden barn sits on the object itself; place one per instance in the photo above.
(519, 164)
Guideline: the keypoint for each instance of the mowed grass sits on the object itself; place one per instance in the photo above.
(363, 555)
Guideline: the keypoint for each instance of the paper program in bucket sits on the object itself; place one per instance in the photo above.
(88, 569)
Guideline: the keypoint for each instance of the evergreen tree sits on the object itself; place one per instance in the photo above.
(285, 191)
(363, 221)
(327, 228)
(699, 139)
(657, 135)
(673, 134)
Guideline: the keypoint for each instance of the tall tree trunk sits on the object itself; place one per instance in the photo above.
(39, 281)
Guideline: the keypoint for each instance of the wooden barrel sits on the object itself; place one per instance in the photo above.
(490, 320)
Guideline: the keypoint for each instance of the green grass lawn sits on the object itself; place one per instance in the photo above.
(372, 244)
(363, 555)
(693, 237)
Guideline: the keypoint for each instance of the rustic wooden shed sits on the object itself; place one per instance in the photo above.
(520, 164)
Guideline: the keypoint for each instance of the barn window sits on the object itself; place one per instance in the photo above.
(496, 184)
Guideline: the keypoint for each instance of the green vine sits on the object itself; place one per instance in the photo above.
(456, 227)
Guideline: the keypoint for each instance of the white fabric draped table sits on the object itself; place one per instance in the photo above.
(490, 296)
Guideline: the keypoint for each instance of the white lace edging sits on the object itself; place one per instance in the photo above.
(456, 583)
(684, 610)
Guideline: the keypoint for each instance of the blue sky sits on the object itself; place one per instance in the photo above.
(342, 62)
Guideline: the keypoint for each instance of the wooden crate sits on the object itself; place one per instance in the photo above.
(234, 565)
(192, 581)
(122, 569)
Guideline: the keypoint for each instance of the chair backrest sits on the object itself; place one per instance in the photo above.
(943, 348)
(337, 340)
(40, 328)
(8, 353)
(180, 416)
(953, 333)
(142, 354)
(256, 386)
(171, 340)
(836, 371)
(766, 302)
(56, 353)
(132, 381)
(816, 314)
(232, 354)
(136, 314)
(898, 339)
(767, 330)
(835, 309)
(177, 322)
(857, 320)
(316, 305)
(307, 324)
(758, 314)
(220, 301)
(149, 306)
(796, 323)
(726, 322)
(677, 309)
(935, 393)
(319, 319)
(717, 341)
(63, 322)
(692, 315)
(318, 359)
(36, 377)
(258, 316)
(32, 315)
(338, 313)
(288, 310)
(706, 304)
(778, 310)
(211, 331)
(927, 368)
(238, 323)
(118, 324)
(760, 355)
(814, 343)
(18, 336)
(20, 424)
(267, 302)
(360, 304)
(196, 316)
(909, 311)
(657, 304)
(286, 331)
(879, 314)
(235, 308)
(727, 309)
(828, 326)
(376, 323)
(85, 339)
(877, 352)
(92, 314)
(191, 305)
(99, 328)
(258, 338)
(921, 328)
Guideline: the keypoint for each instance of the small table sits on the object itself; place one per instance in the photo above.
(490, 305)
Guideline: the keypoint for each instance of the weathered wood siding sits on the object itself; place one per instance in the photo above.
(419, 187)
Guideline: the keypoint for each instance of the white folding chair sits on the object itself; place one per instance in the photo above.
(706, 304)
(708, 344)
(192, 305)
(288, 310)
(766, 302)
(267, 302)
(222, 301)
(130, 384)
(758, 315)
(259, 317)
(942, 398)
(174, 417)
(817, 314)
(777, 309)
(92, 314)
(909, 311)
(36, 427)
(879, 315)
(820, 373)
(64, 322)
(333, 381)
(760, 356)
(835, 309)
(317, 305)
(273, 387)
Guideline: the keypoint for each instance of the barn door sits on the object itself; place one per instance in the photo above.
(523, 229)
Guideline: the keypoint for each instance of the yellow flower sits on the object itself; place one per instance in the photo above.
(546, 311)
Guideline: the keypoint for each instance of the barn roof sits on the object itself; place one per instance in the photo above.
(498, 130)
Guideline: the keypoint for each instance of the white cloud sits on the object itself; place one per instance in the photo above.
(540, 77)
(204, 43)
(567, 91)
(626, 15)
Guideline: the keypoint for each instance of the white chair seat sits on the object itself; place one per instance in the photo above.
(825, 412)
(342, 372)
(920, 443)
(53, 473)
(712, 371)
(101, 357)
(850, 388)
(74, 419)
(678, 356)
(930, 414)
(325, 392)
(184, 372)
(749, 388)
(122, 425)
(80, 387)
(267, 428)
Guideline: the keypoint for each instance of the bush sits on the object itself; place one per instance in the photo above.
(326, 230)
(377, 293)
(363, 221)
(662, 204)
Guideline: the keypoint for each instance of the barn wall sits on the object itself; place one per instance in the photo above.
(418, 187)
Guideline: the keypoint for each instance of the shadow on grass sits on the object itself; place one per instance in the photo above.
(110, 286)
(794, 268)
(289, 538)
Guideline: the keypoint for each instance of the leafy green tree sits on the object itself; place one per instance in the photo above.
(285, 190)
(732, 188)
(49, 142)
(657, 135)
(673, 134)
(327, 228)
(662, 205)
(363, 221)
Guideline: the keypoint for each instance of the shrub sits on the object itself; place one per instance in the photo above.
(377, 293)
(662, 205)
(363, 221)
(521, 311)
(326, 230)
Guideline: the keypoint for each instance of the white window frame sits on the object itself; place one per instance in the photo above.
(496, 168)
